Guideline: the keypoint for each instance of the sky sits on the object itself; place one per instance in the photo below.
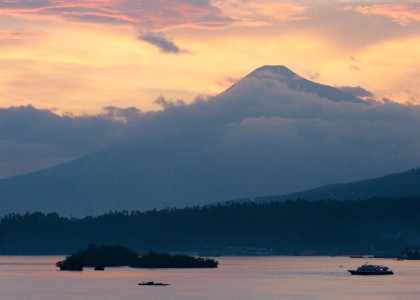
(77, 57)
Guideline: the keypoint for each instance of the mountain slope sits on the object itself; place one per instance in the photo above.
(404, 184)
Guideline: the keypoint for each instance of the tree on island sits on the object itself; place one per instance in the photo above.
(116, 256)
(99, 256)
(70, 264)
(164, 260)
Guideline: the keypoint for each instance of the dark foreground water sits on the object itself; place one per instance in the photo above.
(236, 278)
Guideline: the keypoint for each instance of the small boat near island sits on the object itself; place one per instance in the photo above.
(153, 283)
(371, 270)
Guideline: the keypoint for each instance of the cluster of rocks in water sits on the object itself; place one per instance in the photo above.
(100, 257)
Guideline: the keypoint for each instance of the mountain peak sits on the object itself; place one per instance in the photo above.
(295, 82)
(279, 71)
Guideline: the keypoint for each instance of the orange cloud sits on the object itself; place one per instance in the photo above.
(18, 37)
(17, 34)
(262, 13)
(403, 13)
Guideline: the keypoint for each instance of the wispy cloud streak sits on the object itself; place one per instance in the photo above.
(144, 14)
(403, 13)
(258, 13)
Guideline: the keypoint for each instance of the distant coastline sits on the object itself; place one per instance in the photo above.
(378, 226)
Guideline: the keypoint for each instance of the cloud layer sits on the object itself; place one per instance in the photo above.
(33, 139)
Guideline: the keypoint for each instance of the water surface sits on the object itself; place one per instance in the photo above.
(236, 278)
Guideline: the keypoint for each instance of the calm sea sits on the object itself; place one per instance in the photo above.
(236, 278)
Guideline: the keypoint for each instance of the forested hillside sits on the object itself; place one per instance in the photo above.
(290, 227)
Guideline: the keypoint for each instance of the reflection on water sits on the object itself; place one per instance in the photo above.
(236, 278)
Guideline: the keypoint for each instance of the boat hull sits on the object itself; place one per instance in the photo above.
(355, 272)
(153, 284)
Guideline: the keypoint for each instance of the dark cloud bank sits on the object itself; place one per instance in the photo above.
(161, 42)
(267, 134)
(32, 139)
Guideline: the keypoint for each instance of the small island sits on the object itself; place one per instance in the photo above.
(100, 257)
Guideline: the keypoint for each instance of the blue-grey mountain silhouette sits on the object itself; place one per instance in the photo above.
(400, 185)
(272, 132)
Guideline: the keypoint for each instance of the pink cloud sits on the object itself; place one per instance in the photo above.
(10, 37)
(404, 13)
(17, 34)
(262, 13)
(150, 15)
